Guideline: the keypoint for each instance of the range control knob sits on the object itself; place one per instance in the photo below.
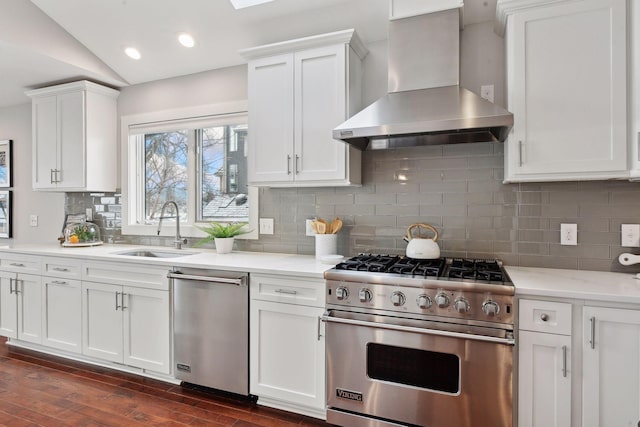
(398, 299)
(461, 305)
(442, 300)
(342, 293)
(364, 295)
(490, 308)
(423, 301)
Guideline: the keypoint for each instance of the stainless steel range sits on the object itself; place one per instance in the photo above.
(419, 342)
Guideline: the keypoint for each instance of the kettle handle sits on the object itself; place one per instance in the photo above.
(411, 227)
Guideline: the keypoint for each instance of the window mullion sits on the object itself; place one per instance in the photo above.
(192, 173)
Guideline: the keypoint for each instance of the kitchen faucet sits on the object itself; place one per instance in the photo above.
(178, 240)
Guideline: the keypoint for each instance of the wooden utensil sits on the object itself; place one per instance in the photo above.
(321, 227)
(336, 225)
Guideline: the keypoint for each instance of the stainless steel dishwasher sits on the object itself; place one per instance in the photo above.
(211, 328)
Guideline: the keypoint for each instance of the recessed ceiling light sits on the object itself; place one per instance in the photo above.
(132, 52)
(186, 40)
(241, 4)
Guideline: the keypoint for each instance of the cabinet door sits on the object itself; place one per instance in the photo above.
(146, 329)
(287, 353)
(45, 141)
(611, 367)
(567, 92)
(544, 381)
(62, 314)
(8, 306)
(71, 143)
(102, 321)
(29, 288)
(320, 105)
(271, 119)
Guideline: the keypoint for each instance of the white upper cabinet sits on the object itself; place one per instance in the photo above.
(298, 92)
(74, 137)
(567, 89)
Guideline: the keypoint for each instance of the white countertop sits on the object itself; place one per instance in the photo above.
(576, 284)
(252, 262)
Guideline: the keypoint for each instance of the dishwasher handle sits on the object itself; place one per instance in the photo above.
(225, 280)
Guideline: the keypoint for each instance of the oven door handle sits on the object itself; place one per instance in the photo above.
(330, 319)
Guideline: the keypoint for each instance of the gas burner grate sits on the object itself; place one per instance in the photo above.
(418, 267)
(368, 262)
(479, 270)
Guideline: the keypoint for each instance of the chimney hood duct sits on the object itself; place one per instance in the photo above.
(425, 105)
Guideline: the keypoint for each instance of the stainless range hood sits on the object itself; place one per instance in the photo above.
(425, 105)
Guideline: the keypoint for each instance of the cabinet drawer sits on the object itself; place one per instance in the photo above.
(291, 290)
(61, 267)
(545, 316)
(20, 263)
(126, 274)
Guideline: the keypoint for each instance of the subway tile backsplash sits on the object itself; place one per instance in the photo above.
(456, 188)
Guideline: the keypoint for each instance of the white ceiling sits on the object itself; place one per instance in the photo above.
(105, 27)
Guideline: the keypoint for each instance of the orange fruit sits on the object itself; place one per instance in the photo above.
(73, 239)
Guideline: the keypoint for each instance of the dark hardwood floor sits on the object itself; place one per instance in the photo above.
(42, 390)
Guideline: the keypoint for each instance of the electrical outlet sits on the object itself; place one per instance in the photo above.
(308, 228)
(33, 220)
(569, 234)
(89, 213)
(266, 225)
(486, 92)
(630, 235)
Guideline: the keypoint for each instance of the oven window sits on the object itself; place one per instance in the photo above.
(409, 366)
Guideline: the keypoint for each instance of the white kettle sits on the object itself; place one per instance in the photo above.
(422, 247)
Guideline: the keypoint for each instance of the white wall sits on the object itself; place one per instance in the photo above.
(15, 124)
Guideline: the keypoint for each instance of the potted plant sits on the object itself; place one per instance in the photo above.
(222, 234)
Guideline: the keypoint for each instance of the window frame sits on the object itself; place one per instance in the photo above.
(131, 168)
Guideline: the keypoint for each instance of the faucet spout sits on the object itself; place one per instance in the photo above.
(179, 241)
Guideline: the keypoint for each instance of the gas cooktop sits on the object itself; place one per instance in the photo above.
(451, 269)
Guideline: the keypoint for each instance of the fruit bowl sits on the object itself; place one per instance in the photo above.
(82, 234)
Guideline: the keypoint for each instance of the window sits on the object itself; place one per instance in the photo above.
(197, 160)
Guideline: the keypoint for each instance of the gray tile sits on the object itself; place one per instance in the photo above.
(420, 198)
(334, 199)
(406, 221)
(397, 188)
(531, 236)
(342, 210)
(548, 262)
(375, 220)
(470, 149)
(580, 251)
(530, 248)
(397, 209)
(444, 187)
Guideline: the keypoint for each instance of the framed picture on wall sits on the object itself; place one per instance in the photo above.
(5, 163)
(5, 214)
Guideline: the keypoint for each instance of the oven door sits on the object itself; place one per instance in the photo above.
(383, 370)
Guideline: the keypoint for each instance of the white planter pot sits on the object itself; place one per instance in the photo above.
(224, 245)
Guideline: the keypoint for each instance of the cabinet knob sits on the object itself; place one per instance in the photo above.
(544, 317)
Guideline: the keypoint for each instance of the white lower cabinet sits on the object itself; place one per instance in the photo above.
(20, 307)
(611, 367)
(544, 374)
(287, 353)
(61, 314)
(127, 325)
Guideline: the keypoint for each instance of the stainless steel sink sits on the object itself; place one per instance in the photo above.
(146, 253)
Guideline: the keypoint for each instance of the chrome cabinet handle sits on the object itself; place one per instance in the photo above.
(58, 180)
(59, 282)
(10, 285)
(124, 307)
(297, 164)
(520, 153)
(17, 264)
(288, 164)
(544, 317)
(51, 176)
(319, 322)
(117, 306)
(16, 289)
(285, 291)
(592, 339)
(60, 269)
(564, 361)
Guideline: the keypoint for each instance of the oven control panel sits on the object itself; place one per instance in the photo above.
(463, 304)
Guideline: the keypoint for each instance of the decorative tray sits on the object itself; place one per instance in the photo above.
(80, 245)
